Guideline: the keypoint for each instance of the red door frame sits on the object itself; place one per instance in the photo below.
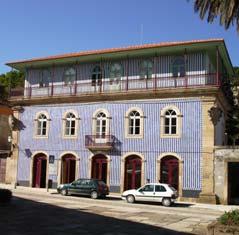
(37, 170)
(68, 161)
(97, 162)
(133, 162)
(172, 165)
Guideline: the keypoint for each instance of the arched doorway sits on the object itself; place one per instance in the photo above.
(133, 170)
(169, 171)
(68, 168)
(39, 171)
(99, 167)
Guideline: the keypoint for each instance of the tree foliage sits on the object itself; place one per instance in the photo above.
(227, 10)
(10, 79)
(232, 124)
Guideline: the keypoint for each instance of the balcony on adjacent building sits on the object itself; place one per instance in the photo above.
(100, 142)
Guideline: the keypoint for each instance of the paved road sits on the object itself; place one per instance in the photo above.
(39, 212)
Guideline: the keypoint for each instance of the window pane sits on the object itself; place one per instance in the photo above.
(137, 130)
(137, 122)
(160, 188)
(173, 130)
(73, 131)
(44, 131)
(166, 121)
(174, 121)
(131, 130)
(166, 130)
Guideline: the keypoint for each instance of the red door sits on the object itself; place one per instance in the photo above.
(99, 168)
(132, 173)
(68, 169)
(39, 174)
(169, 171)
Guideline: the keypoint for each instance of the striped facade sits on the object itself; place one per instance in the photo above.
(151, 146)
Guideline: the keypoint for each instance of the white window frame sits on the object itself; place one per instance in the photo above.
(127, 123)
(76, 119)
(107, 118)
(36, 121)
(163, 117)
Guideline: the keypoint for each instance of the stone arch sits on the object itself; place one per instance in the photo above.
(123, 168)
(180, 168)
(108, 161)
(39, 169)
(60, 165)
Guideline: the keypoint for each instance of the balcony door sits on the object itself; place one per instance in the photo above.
(96, 78)
(99, 167)
(101, 124)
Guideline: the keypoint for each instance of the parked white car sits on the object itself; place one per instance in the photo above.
(152, 192)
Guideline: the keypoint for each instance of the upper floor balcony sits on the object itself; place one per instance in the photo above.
(142, 70)
(78, 88)
(100, 142)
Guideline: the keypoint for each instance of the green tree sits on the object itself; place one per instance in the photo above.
(232, 124)
(227, 10)
(12, 79)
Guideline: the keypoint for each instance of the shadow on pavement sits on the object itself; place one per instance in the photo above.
(23, 216)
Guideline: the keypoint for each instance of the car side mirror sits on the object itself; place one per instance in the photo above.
(73, 183)
(141, 190)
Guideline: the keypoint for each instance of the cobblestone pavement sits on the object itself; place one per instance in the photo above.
(41, 212)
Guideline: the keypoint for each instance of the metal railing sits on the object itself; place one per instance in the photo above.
(100, 141)
(84, 87)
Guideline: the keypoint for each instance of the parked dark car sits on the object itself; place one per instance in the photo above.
(90, 187)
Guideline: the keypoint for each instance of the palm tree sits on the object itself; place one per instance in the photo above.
(228, 10)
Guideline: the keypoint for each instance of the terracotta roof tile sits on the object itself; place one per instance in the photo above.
(119, 49)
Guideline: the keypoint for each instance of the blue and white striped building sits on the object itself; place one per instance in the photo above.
(126, 115)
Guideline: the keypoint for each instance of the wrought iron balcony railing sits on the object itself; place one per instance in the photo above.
(100, 142)
(86, 87)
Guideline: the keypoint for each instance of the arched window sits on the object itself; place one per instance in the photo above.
(70, 125)
(134, 123)
(41, 125)
(170, 122)
(178, 67)
(69, 76)
(146, 69)
(96, 76)
(45, 78)
(101, 122)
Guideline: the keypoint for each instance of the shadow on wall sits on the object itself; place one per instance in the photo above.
(23, 217)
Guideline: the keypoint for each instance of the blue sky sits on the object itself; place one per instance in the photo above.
(31, 28)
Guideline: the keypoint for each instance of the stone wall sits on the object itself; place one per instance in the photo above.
(223, 155)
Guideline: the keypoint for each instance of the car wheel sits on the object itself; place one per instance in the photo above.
(166, 202)
(94, 195)
(64, 192)
(130, 199)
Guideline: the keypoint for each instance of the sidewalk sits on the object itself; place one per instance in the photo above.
(39, 191)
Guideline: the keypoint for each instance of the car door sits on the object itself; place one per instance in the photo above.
(145, 193)
(73, 187)
(160, 192)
